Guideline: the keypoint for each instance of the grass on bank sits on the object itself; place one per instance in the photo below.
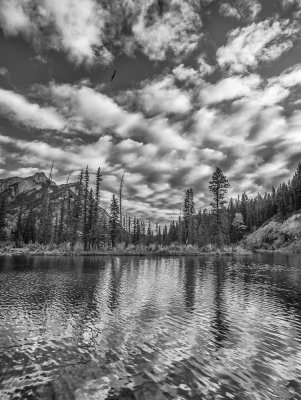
(121, 249)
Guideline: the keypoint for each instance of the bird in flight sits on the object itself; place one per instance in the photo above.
(113, 75)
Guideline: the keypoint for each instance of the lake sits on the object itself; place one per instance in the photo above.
(150, 328)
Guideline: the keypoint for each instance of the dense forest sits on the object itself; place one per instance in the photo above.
(79, 223)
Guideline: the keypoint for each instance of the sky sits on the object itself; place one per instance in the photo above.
(198, 84)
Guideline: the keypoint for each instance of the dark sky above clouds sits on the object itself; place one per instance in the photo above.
(199, 84)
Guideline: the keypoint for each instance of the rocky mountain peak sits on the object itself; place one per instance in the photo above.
(16, 185)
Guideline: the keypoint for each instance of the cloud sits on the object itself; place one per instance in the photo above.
(262, 42)
(4, 71)
(177, 30)
(88, 31)
(18, 109)
(75, 27)
(183, 73)
(246, 10)
(162, 96)
(93, 112)
(193, 76)
(289, 78)
(204, 68)
(227, 10)
(79, 26)
(230, 88)
(13, 18)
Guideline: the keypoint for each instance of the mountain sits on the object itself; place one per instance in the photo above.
(29, 193)
(10, 188)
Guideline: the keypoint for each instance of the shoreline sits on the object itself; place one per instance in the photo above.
(139, 252)
(119, 253)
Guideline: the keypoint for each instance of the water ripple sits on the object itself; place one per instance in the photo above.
(142, 328)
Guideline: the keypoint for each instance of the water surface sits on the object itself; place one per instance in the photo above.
(150, 328)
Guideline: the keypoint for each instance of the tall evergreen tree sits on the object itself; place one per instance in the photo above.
(238, 226)
(77, 210)
(29, 232)
(114, 219)
(96, 232)
(149, 234)
(17, 232)
(91, 209)
(86, 208)
(218, 186)
(3, 235)
(188, 214)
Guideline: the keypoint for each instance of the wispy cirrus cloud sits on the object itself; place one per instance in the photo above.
(88, 31)
(246, 10)
(19, 110)
(229, 89)
(177, 30)
(259, 42)
(162, 96)
(77, 28)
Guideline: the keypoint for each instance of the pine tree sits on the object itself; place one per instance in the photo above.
(86, 208)
(149, 234)
(180, 230)
(114, 219)
(243, 206)
(218, 186)
(17, 232)
(120, 206)
(46, 225)
(77, 210)
(56, 229)
(188, 215)
(138, 232)
(60, 230)
(203, 237)
(159, 236)
(95, 224)
(91, 209)
(173, 232)
(238, 225)
(3, 235)
(29, 232)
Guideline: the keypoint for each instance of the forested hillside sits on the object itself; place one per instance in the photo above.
(37, 210)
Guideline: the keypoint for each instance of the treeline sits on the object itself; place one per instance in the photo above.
(79, 219)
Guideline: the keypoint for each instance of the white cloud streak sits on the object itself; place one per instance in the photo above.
(18, 109)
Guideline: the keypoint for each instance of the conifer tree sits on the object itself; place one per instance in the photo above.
(96, 232)
(149, 234)
(61, 219)
(17, 232)
(114, 219)
(218, 186)
(91, 210)
(238, 225)
(29, 232)
(188, 214)
(159, 238)
(77, 210)
(86, 208)
(3, 235)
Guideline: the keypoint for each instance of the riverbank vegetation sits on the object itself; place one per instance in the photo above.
(79, 223)
(121, 250)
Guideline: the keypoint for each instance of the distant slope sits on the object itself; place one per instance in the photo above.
(29, 193)
(277, 235)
